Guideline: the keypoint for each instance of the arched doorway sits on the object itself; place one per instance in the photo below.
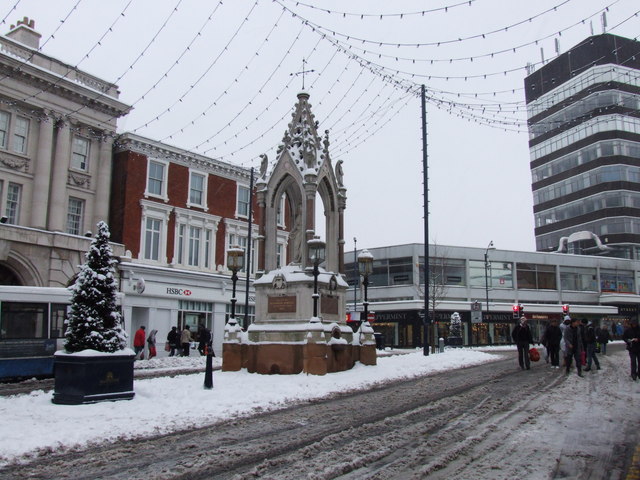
(8, 276)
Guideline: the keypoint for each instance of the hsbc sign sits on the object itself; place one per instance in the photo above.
(182, 292)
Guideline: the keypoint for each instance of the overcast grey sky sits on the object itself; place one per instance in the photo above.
(216, 78)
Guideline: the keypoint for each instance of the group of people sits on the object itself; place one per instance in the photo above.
(578, 340)
(178, 343)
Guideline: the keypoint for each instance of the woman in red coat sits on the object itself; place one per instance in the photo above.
(138, 342)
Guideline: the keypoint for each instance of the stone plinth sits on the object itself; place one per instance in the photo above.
(286, 338)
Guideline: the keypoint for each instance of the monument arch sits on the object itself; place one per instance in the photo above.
(288, 335)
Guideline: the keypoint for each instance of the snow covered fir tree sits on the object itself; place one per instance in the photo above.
(94, 321)
(455, 330)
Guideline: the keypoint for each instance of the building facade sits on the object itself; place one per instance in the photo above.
(57, 125)
(584, 142)
(602, 289)
(178, 213)
(172, 214)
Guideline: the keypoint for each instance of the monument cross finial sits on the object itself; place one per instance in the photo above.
(302, 72)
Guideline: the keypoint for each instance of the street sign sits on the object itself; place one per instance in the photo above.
(476, 312)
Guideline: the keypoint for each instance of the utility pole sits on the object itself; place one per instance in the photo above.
(425, 185)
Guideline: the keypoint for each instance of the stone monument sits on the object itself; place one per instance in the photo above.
(286, 337)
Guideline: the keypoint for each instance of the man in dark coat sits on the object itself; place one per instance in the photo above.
(631, 337)
(173, 337)
(603, 338)
(552, 337)
(521, 335)
(572, 336)
(590, 341)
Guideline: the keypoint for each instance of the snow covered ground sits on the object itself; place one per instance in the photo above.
(552, 425)
(32, 424)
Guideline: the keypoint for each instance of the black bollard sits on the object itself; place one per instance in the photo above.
(208, 371)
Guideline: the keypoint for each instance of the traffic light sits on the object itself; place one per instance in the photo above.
(518, 311)
(565, 309)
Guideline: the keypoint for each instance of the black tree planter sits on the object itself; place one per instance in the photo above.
(82, 378)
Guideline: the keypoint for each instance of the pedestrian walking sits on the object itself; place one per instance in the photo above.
(553, 336)
(573, 340)
(151, 343)
(138, 342)
(185, 341)
(590, 341)
(173, 339)
(521, 335)
(631, 337)
(603, 338)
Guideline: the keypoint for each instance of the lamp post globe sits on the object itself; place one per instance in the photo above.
(235, 263)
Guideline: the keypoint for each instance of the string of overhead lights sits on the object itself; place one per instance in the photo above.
(349, 134)
(459, 103)
(95, 45)
(380, 16)
(360, 140)
(203, 74)
(234, 82)
(15, 6)
(275, 124)
(140, 55)
(350, 106)
(62, 22)
(347, 48)
(470, 59)
(252, 100)
(176, 62)
(334, 33)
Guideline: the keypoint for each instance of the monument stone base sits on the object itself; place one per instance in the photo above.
(286, 338)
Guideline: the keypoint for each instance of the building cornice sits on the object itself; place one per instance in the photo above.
(152, 148)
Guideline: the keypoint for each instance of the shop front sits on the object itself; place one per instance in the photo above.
(160, 300)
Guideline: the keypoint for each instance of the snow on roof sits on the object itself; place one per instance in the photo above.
(293, 273)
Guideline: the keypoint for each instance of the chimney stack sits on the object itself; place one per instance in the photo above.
(24, 32)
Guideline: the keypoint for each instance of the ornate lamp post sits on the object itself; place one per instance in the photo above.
(235, 262)
(316, 255)
(365, 267)
(486, 275)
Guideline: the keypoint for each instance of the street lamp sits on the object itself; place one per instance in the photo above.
(235, 262)
(486, 275)
(316, 255)
(365, 267)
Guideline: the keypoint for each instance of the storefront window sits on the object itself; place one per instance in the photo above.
(619, 281)
(445, 271)
(194, 314)
(536, 277)
(499, 274)
(578, 279)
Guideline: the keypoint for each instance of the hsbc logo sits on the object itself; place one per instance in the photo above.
(178, 291)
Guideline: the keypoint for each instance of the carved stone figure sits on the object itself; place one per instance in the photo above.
(339, 173)
(263, 165)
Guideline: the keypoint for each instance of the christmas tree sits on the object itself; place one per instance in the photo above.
(94, 321)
